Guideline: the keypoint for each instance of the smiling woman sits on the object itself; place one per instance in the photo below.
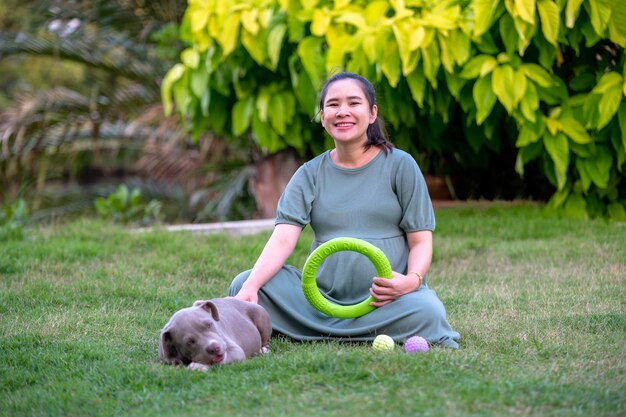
(364, 188)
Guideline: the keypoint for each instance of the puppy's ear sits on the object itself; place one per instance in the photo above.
(167, 350)
(211, 308)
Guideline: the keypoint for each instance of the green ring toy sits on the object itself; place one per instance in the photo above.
(309, 283)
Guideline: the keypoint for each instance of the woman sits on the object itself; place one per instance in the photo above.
(363, 188)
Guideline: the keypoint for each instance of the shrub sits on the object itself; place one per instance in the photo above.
(126, 206)
(457, 79)
(13, 218)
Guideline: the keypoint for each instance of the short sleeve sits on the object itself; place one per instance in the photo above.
(417, 208)
(294, 206)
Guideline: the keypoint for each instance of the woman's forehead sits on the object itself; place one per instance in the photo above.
(346, 88)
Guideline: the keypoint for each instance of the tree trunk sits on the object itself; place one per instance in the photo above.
(271, 175)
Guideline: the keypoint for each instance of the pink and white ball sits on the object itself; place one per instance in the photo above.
(416, 344)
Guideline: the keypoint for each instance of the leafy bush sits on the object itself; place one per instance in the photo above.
(458, 80)
(13, 219)
(126, 206)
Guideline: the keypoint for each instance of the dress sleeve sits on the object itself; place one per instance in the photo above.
(417, 208)
(294, 206)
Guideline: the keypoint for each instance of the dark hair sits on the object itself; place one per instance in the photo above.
(376, 133)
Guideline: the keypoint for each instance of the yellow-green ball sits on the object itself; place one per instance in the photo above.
(383, 343)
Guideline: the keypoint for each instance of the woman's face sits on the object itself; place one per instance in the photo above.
(346, 113)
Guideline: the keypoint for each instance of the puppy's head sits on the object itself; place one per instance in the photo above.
(191, 335)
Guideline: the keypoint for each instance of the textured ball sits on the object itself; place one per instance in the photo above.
(382, 343)
(415, 344)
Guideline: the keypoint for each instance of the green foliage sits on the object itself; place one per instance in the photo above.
(13, 217)
(124, 206)
(465, 77)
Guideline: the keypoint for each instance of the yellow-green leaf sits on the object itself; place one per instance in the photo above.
(526, 10)
(199, 82)
(576, 207)
(190, 58)
(503, 84)
(173, 75)
(446, 47)
(519, 87)
(558, 149)
(574, 130)
(198, 17)
(263, 103)
(608, 82)
(242, 115)
(275, 43)
(484, 98)
(321, 21)
(462, 46)
(550, 20)
(277, 109)
(375, 11)
(599, 167)
(530, 102)
(255, 45)
(229, 34)
(398, 6)
(621, 118)
(617, 23)
(553, 125)
(600, 12)
(617, 211)
(571, 12)
(417, 85)
(610, 89)
(484, 11)
(249, 20)
(391, 65)
(537, 74)
(530, 133)
(431, 59)
(310, 52)
(476, 66)
(352, 18)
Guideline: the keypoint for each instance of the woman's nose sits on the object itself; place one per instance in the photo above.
(342, 110)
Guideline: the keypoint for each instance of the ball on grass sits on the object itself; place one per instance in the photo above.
(382, 343)
(415, 344)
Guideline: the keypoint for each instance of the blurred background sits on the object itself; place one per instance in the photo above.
(85, 86)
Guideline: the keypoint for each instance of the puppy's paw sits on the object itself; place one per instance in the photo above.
(196, 366)
(265, 350)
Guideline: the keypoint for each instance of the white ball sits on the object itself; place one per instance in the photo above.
(382, 343)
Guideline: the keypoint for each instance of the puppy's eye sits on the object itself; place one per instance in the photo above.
(191, 341)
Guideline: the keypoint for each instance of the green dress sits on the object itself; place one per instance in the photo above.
(379, 202)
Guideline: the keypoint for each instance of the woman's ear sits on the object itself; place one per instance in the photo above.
(373, 113)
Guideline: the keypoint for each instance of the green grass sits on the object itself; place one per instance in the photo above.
(539, 302)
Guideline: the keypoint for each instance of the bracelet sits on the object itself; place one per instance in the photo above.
(421, 278)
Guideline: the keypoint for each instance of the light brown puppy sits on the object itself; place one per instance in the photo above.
(212, 332)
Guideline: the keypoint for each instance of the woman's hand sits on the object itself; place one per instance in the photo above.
(248, 294)
(385, 290)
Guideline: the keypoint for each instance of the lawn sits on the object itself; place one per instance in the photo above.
(539, 302)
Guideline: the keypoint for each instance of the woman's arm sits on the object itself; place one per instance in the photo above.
(420, 255)
(277, 249)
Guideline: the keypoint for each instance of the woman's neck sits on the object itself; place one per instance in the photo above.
(353, 156)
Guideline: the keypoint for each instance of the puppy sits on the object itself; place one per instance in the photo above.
(213, 332)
